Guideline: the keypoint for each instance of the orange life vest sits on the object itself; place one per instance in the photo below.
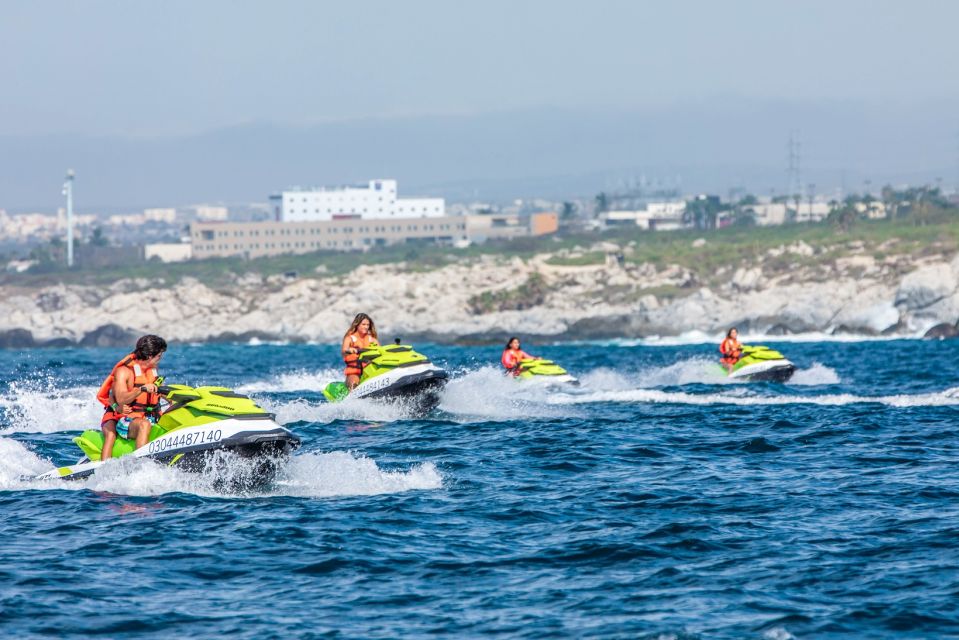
(143, 404)
(512, 357)
(731, 350)
(354, 366)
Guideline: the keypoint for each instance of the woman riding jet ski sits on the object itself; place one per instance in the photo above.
(523, 366)
(394, 373)
(198, 422)
(753, 363)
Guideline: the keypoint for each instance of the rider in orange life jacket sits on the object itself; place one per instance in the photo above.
(513, 355)
(361, 335)
(131, 396)
(731, 349)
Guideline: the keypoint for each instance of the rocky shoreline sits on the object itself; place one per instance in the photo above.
(791, 289)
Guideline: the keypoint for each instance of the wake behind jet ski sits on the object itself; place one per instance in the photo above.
(197, 423)
(761, 363)
(394, 373)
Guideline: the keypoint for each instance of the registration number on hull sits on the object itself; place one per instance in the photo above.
(185, 440)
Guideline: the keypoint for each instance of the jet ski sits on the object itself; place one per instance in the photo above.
(761, 363)
(544, 370)
(194, 424)
(394, 373)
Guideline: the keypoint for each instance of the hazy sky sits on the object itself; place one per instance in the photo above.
(178, 67)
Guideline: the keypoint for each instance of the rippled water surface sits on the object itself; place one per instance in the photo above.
(653, 501)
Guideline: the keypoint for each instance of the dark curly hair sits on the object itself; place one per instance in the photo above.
(149, 346)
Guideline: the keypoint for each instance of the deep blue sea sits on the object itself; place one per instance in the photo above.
(654, 501)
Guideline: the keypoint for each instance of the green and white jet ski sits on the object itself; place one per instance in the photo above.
(195, 423)
(761, 363)
(544, 370)
(395, 373)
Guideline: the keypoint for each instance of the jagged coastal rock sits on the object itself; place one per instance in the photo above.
(486, 298)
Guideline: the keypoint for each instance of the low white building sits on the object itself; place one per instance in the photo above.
(668, 210)
(377, 200)
(811, 211)
(168, 251)
(873, 210)
(662, 216)
(768, 213)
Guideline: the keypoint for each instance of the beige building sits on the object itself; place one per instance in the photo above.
(258, 239)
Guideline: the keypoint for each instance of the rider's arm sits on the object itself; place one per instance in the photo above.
(124, 391)
(347, 346)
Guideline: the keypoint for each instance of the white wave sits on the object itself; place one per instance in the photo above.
(778, 633)
(742, 396)
(348, 409)
(815, 375)
(487, 394)
(340, 473)
(257, 342)
(18, 462)
(309, 475)
(694, 370)
(604, 378)
(300, 380)
(43, 407)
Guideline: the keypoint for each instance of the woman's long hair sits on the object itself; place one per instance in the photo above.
(510, 341)
(729, 334)
(360, 317)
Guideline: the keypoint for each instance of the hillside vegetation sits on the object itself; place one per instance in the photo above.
(708, 254)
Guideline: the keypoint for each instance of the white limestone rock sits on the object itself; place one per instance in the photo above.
(926, 285)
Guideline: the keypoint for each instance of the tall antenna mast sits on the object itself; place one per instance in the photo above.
(68, 192)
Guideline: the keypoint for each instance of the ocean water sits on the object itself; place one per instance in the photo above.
(654, 501)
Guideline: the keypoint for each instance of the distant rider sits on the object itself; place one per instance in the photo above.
(131, 396)
(731, 349)
(361, 335)
(513, 356)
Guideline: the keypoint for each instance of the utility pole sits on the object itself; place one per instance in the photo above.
(68, 192)
(794, 188)
(812, 195)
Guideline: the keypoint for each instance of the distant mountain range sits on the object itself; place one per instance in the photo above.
(556, 153)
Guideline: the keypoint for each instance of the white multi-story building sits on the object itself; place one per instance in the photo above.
(167, 215)
(211, 213)
(376, 201)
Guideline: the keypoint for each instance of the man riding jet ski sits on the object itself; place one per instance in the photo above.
(394, 373)
(753, 363)
(523, 366)
(196, 423)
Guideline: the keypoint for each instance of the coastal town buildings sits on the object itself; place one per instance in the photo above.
(358, 218)
(25, 227)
